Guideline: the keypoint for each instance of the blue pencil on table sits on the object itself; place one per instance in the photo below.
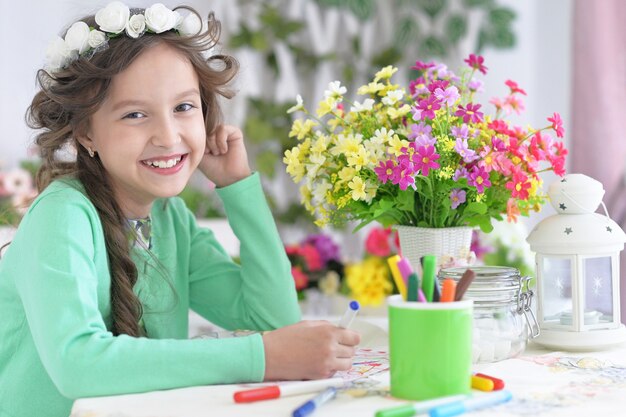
(474, 403)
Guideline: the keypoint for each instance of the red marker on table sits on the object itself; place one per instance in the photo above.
(276, 391)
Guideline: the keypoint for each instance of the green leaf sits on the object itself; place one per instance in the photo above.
(363, 9)
(405, 200)
(424, 187)
(456, 27)
(406, 32)
(478, 3)
(258, 130)
(476, 207)
(259, 41)
(266, 162)
(501, 16)
(432, 7)
(503, 38)
(432, 46)
(386, 57)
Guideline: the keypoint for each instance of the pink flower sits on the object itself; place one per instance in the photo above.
(519, 186)
(514, 87)
(514, 103)
(557, 124)
(377, 242)
(312, 257)
(476, 62)
(424, 159)
(512, 211)
(300, 278)
(470, 113)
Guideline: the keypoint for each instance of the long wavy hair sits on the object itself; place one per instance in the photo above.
(62, 110)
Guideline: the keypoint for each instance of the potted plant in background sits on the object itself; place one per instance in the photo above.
(425, 159)
(17, 190)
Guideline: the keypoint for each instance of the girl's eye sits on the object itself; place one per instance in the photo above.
(134, 115)
(184, 107)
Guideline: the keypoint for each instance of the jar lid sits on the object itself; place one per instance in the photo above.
(491, 285)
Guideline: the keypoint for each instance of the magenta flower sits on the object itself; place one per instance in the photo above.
(421, 66)
(457, 197)
(470, 113)
(422, 135)
(479, 178)
(407, 180)
(385, 171)
(557, 124)
(424, 159)
(427, 107)
(498, 144)
(476, 62)
(443, 84)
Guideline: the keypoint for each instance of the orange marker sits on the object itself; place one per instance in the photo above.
(448, 290)
(482, 384)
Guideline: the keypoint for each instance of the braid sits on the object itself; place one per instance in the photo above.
(125, 306)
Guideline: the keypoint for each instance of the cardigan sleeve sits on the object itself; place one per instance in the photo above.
(58, 282)
(258, 294)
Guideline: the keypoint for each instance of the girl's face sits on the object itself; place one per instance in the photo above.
(149, 132)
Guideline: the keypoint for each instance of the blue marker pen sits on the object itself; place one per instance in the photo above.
(349, 315)
(315, 402)
(471, 404)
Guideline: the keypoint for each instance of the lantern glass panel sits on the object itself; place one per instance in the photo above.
(598, 298)
(556, 281)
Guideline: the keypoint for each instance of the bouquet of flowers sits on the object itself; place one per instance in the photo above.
(427, 156)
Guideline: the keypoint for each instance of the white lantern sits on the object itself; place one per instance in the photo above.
(577, 264)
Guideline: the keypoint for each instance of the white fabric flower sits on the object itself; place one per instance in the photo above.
(58, 54)
(77, 37)
(113, 18)
(299, 105)
(159, 18)
(136, 26)
(367, 105)
(190, 25)
(96, 38)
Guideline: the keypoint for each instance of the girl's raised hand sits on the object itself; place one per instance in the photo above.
(225, 159)
(308, 350)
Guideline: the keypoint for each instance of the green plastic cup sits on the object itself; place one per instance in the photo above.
(430, 348)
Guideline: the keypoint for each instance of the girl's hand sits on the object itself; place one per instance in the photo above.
(308, 350)
(225, 159)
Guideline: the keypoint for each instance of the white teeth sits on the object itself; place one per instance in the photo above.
(164, 164)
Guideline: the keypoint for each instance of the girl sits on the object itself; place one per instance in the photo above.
(96, 286)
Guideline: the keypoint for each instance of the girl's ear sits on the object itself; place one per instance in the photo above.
(85, 140)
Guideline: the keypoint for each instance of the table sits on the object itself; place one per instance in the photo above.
(543, 383)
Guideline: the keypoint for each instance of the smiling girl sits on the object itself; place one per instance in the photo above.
(96, 286)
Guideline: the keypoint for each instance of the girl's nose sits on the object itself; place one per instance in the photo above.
(166, 133)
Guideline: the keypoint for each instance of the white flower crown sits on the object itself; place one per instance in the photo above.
(83, 41)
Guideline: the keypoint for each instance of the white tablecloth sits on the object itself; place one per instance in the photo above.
(543, 383)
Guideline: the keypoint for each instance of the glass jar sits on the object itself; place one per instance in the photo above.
(503, 319)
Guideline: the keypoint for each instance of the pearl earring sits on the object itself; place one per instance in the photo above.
(90, 151)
